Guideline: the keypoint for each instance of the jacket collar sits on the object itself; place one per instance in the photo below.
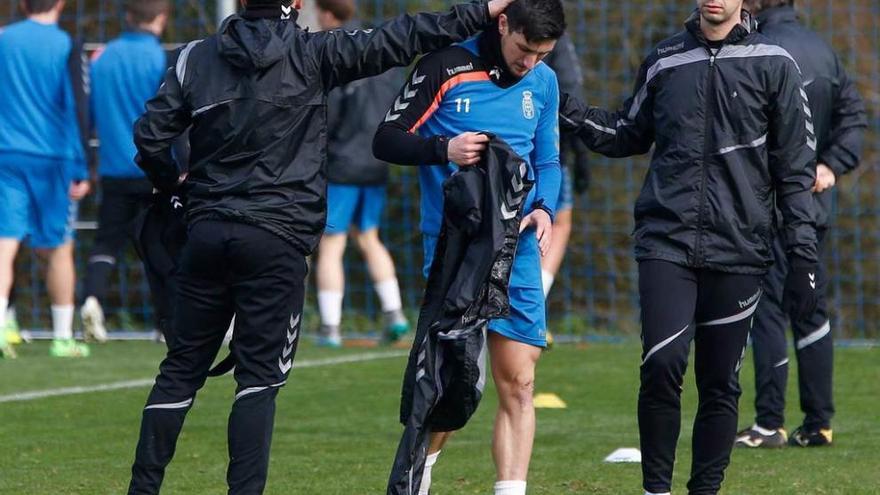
(489, 45)
(778, 15)
(747, 26)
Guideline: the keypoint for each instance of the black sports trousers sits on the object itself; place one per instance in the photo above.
(226, 268)
(813, 347)
(122, 200)
(715, 310)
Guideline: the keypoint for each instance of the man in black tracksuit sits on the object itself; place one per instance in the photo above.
(254, 98)
(839, 119)
(725, 108)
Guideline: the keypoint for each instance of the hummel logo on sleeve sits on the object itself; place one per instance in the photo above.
(409, 92)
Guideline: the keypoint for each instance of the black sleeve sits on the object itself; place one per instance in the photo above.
(791, 148)
(397, 140)
(344, 56)
(80, 78)
(626, 132)
(166, 118)
(180, 149)
(848, 125)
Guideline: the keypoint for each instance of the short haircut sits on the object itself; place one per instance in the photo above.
(39, 6)
(537, 20)
(146, 11)
(756, 6)
(343, 10)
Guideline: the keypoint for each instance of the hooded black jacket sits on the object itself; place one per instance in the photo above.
(467, 287)
(732, 130)
(255, 96)
(838, 110)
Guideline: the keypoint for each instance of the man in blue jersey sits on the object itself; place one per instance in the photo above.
(494, 83)
(42, 165)
(125, 74)
(356, 185)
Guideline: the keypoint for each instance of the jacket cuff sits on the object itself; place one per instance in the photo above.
(834, 164)
(487, 17)
(440, 145)
(540, 205)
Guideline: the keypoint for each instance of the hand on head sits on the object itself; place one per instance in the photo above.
(496, 7)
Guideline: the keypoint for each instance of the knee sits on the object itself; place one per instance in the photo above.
(60, 254)
(663, 373)
(515, 392)
(368, 240)
(332, 246)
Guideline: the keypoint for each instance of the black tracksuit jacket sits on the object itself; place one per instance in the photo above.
(733, 137)
(838, 110)
(255, 97)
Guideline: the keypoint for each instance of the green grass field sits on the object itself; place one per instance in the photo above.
(336, 429)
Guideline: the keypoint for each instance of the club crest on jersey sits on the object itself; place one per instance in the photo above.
(528, 106)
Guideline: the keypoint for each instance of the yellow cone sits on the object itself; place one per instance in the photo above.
(548, 401)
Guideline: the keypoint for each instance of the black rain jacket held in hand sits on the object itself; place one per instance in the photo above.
(733, 138)
(255, 96)
(466, 288)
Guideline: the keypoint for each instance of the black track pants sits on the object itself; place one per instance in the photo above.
(122, 200)
(715, 310)
(226, 268)
(813, 347)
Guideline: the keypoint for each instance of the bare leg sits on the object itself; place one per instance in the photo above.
(378, 259)
(438, 440)
(513, 369)
(8, 250)
(381, 268)
(60, 273)
(330, 274)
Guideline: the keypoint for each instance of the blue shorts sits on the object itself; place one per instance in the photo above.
(34, 200)
(354, 205)
(566, 194)
(527, 322)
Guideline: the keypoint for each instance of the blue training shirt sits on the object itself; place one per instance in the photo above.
(37, 106)
(463, 98)
(125, 75)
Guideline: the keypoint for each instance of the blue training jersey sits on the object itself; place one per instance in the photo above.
(37, 105)
(124, 76)
(454, 91)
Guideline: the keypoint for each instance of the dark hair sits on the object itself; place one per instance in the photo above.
(145, 11)
(537, 20)
(39, 6)
(343, 10)
(755, 6)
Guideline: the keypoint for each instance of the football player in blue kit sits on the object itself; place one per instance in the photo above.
(494, 83)
(42, 162)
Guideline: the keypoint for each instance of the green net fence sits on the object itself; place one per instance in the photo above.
(596, 290)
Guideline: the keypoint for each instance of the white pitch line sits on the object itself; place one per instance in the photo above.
(313, 363)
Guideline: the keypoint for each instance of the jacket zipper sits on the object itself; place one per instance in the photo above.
(707, 152)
